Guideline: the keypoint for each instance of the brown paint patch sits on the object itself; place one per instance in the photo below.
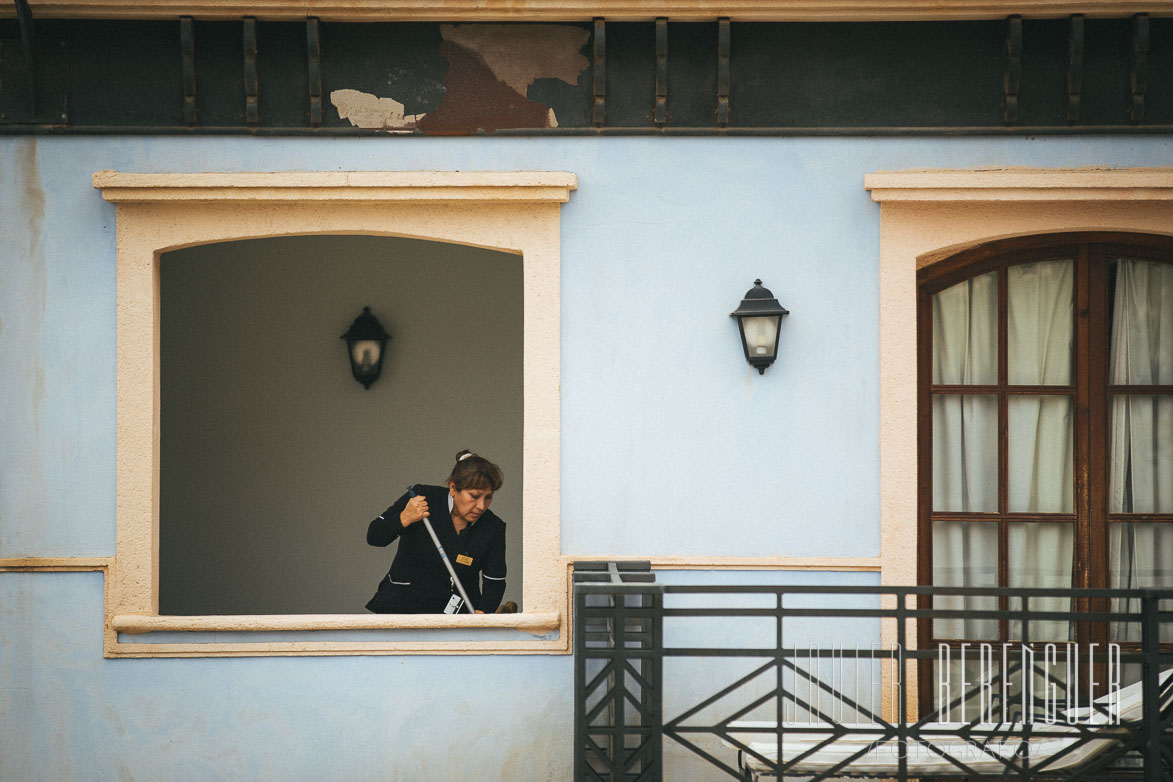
(490, 70)
(520, 54)
(477, 100)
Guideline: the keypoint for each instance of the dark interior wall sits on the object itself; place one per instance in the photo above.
(274, 459)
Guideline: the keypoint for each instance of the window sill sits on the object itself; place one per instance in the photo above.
(135, 624)
(146, 635)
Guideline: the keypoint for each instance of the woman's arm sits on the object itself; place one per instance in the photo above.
(493, 574)
(387, 527)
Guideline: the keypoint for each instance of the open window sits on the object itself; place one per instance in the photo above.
(273, 459)
(170, 221)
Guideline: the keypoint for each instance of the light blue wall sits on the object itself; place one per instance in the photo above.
(671, 444)
(67, 714)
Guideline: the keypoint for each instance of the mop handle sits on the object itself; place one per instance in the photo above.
(444, 557)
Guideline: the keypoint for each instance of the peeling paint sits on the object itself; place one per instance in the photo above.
(477, 100)
(364, 110)
(34, 198)
(24, 298)
(518, 55)
(34, 194)
(490, 70)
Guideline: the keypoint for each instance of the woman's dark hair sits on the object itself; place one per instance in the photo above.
(473, 472)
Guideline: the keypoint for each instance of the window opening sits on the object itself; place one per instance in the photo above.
(273, 460)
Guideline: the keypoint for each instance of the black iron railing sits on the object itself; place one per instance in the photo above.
(673, 681)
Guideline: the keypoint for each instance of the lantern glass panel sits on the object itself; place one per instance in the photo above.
(761, 335)
(365, 352)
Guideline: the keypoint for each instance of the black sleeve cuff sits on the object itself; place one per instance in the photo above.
(491, 593)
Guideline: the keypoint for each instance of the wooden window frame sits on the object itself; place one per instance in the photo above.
(1089, 390)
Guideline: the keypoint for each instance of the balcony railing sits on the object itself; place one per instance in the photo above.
(701, 681)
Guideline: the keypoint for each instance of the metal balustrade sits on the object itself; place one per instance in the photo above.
(825, 682)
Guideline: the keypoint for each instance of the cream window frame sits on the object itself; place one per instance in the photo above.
(517, 212)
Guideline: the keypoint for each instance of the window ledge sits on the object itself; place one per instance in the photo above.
(134, 624)
(1023, 184)
(345, 186)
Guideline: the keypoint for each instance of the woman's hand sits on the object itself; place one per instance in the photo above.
(417, 508)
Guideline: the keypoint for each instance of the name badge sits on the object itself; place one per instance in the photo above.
(463, 559)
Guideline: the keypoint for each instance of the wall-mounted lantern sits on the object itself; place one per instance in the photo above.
(364, 345)
(759, 318)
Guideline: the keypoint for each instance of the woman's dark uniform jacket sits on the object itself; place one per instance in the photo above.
(418, 582)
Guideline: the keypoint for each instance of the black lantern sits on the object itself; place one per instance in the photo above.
(364, 345)
(759, 318)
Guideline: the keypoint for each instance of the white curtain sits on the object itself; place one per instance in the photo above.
(965, 332)
(965, 554)
(1141, 431)
(1040, 444)
(1039, 323)
(965, 427)
(965, 447)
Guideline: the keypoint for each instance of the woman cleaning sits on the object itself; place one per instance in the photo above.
(472, 537)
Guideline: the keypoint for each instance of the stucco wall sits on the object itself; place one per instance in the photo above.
(671, 443)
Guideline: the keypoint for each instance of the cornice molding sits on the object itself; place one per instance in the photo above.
(579, 11)
(336, 186)
(1023, 184)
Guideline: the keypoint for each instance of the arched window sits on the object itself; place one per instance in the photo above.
(1046, 423)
